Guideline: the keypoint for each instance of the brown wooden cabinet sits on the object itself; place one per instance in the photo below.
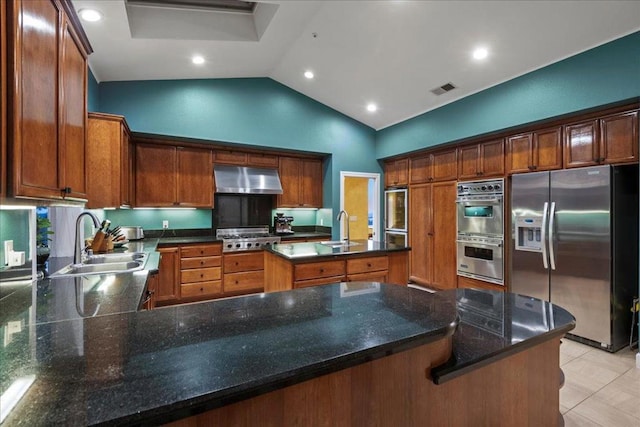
(469, 283)
(437, 166)
(168, 285)
(606, 140)
(109, 163)
(3, 101)
(540, 150)
(151, 293)
(47, 116)
(482, 160)
(396, 173)
(370, 269)
(242, 158)
(243, 272)
(171, 176)
(432, 234)
(200, 271)
(301, 183)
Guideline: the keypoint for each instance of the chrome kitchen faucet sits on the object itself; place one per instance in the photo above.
(339, 217)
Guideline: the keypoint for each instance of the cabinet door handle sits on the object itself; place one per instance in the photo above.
(66, 190)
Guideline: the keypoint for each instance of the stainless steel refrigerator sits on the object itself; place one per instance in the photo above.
(575, 243)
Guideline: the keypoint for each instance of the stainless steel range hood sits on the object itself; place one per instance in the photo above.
(245, 180)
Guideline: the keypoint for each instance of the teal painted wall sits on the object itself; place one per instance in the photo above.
(93, 93)
(600, 76)
(151, 219)
(252, 111)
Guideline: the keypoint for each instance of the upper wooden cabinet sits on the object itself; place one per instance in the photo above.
(301, 183)
(482, 160)
(609, 139)
(438, 166)
(47, 116)
(109, 163)
(241, 158)
(3, 101)
(396, 173)
(535, 151)
(170, 176)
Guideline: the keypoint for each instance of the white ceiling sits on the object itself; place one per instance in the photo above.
(388, 52)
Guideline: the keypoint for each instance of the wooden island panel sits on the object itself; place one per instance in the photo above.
(285, 274)
(397, 390)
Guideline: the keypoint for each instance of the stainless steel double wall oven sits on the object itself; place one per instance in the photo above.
(480, 224)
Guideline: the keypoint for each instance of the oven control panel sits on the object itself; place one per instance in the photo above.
(470, 188)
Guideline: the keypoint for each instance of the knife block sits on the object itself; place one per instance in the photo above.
(101, 243)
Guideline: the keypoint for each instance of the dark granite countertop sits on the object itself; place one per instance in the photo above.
(182, 240)
(494, 325)
(310, 250)
(299, 235)
(154, 366)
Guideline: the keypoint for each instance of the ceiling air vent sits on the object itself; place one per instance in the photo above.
(443, 89)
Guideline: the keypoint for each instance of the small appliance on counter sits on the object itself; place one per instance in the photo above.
(282, 223)
(132, 233)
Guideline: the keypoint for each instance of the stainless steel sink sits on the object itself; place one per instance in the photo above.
(111, 258)
(100, 268)
(339, 243)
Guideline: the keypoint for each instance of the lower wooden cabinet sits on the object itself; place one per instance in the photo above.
(168, 286)
(149, 302)
(200, 271)
(432, 234)
(243, 272)
(372, 269)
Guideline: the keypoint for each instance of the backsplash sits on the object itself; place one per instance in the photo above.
(14, 225)
(151, 219)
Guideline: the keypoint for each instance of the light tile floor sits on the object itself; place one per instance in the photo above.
(600, 389)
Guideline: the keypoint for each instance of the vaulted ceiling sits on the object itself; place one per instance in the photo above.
(391, 53)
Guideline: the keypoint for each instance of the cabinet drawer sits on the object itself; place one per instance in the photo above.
(202, 288)
(316, 282)
(200, 251)
(243, 281)
(200, 262)
(315, 270)
(363, 265)
(375, 276)
(201, 275)
(243, 262)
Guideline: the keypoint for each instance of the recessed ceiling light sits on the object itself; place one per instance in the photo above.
(197, 60)
(480, 53)
(308, 74)
(90, 15)
(371, 107)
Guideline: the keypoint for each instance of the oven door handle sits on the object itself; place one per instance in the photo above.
(493, 200)
(543, 235)
(495, 245)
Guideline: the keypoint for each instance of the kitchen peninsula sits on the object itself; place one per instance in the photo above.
(343, 354)
(296, 265)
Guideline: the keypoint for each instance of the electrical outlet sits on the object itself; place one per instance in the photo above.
(165, 224)
(8, 248)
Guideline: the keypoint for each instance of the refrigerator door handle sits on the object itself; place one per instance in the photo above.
(543, 235)
(552, 255)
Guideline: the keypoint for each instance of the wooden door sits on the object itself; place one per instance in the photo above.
(35, 101)
(168, 284)
(547, 145)
(520, 153)
(492, 158)
(104, 161)
(73, 118)
(581, 144)
(420, 234)
(155, 175)
(444, 165)
(126, 167)
(311, 183)
(289, 172)
(468, 159)
(420, 169)
(194, 180)
(396, 172)
(444, 235)
(619, 138)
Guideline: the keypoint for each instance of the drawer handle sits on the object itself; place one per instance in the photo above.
(201, 289)
(201, 262)
(201, 252)
(322, 270)
(237, 282)
(368, 264)
(201, 275)
(236, 262)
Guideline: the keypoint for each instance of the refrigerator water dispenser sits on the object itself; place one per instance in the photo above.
(529, 234)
